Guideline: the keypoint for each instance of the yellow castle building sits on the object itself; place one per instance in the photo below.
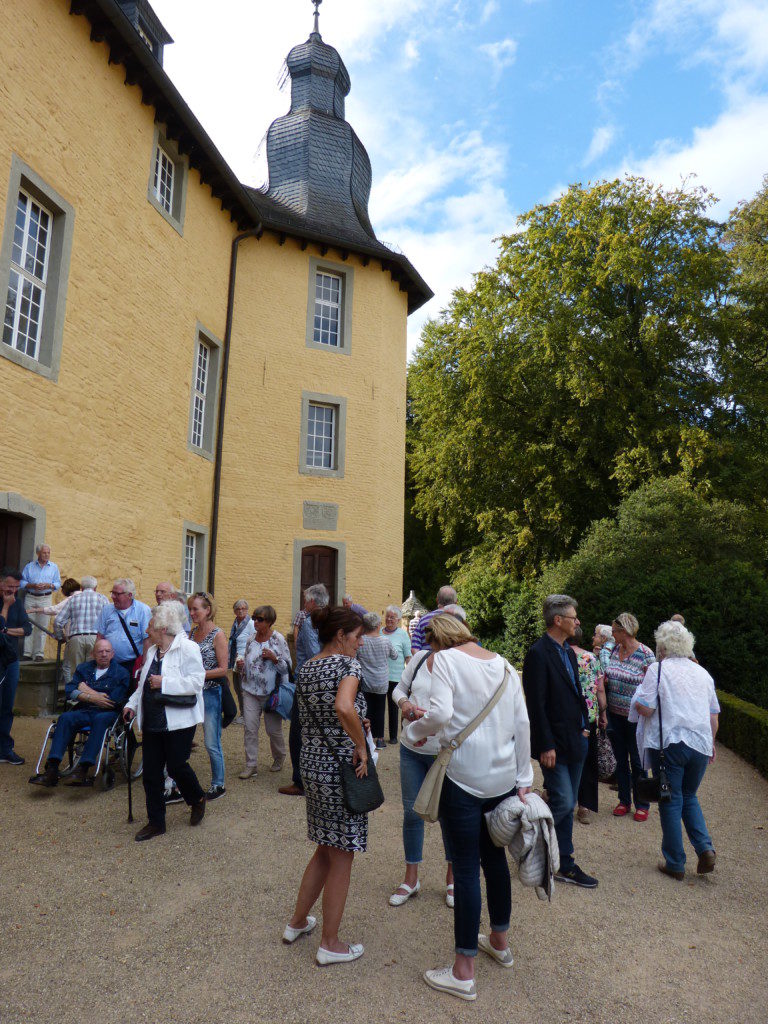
(200, 380)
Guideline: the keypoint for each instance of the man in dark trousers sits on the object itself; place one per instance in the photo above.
(559, 724)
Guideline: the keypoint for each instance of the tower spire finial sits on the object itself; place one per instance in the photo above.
(317, 16)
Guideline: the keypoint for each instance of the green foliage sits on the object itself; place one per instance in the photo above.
(504, 612)
(744, 728)
(578, 367)
(670, 549)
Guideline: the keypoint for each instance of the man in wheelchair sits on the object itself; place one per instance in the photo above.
(97, 692)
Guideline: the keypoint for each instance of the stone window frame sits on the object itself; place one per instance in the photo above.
(180, 163)
(347, 275)
(24, 179)
(215, 346)
(202, 533)
(340, 404)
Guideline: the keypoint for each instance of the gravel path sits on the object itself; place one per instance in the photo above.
(186, 929)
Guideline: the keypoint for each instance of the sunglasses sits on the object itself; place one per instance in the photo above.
(259, 618)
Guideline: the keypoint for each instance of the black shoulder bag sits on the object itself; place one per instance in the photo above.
(656, 789)
(360, 795)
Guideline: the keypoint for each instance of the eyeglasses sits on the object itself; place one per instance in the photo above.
(259, 618)
(574, 617)
(117, 593)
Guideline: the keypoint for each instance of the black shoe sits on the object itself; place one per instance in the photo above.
(198, 812)
(174, 797)
(381, 744)
(215, 792)
(393, 743)
(49, 778)
(575, 876)
(11, 758)
(80, 778)
(149, 832)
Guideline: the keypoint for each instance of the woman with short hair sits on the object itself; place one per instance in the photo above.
(685, 692)
(374, 656)
(239, 635)
(213, 650)
(266, 663)
(332, 711)
(493, 762)
(624, 672)
(167, 706)
(401, 642)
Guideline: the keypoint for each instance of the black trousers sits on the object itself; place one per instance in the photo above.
(393, 711)
(294, 744)
(171, 750)
(589, 777)
(377, 703)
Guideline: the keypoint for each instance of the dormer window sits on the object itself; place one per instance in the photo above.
(148, 26)
(144, 34)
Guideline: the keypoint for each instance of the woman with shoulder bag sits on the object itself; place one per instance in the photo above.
(678, 718)
(168, 705)
(266, 661)
(412, 695)
(477, 693)
(332, 713)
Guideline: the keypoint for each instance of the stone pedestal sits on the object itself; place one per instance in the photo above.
(38, 692)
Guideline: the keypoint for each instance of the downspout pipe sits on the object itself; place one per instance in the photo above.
(256, 232)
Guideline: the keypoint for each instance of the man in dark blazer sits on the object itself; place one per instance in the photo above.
(559, 724)
(99, 687)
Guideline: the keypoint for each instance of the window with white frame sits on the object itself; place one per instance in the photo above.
(167, 187)
(145, 36)
(163, 181)
(322, 426)
(200, 393)
(30, 251)
(328, 294)
(191, 558)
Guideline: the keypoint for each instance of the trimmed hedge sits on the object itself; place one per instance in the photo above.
(744, 728)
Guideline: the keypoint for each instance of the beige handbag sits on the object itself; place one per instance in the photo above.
(427, 802)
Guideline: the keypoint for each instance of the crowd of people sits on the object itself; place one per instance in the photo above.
(167, 670)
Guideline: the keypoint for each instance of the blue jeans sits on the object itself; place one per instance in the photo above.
(413, 770)
(7, 699)
(212, 733)
(623, 736)
(70, 723)
(562, 784)
(685, 770)
(462, 817)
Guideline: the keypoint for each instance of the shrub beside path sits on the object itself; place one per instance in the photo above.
(97, 929)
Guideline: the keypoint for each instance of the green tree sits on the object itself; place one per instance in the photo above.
(576, 368)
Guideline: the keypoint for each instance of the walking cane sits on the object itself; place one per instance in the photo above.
(130, 749)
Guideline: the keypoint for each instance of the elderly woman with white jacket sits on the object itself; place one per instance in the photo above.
(167, 706)
(492, 763)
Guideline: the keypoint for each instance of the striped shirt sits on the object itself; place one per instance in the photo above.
(418, 643)
(622, 678)
(81, 613)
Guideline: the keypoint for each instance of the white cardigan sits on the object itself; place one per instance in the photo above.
(417, 692)
(182, 672)
(497, 755)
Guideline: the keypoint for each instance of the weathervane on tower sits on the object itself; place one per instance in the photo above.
(317, 16)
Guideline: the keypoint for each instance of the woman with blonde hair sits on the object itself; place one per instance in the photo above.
(213, 650)
(492, 763)
(624, 672)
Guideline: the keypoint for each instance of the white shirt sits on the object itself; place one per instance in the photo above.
(416, 690)
(497, 756)
(688, 698)
(100, 672)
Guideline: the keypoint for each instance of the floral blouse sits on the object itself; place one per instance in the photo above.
(591, 680)
(260, 675)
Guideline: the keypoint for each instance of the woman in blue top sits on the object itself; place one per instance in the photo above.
(14, 624)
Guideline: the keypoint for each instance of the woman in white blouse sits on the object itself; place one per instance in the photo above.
(689, 720)
(412, 695)
(267, 661)
(491, 764)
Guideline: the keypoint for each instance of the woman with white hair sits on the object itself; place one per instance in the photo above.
(623, 674)
(168, 706)
(677, 699)
(401, 642)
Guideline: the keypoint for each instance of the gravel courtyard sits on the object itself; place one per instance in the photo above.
(186, 929)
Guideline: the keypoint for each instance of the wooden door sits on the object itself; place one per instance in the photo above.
(318, 565)
(10, 541)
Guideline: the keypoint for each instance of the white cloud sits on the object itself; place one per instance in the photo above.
(490, 8)
(411, 51)
(602, 138)
(501, 54)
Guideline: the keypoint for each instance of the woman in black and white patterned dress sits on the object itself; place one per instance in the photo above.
(332, 711)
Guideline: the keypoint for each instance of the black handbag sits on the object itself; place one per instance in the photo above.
(177, 700)
(359, 795)
(656, 789)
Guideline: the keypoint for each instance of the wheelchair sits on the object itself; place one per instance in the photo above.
(116, 751)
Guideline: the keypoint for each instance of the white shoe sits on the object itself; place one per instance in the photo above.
(501, 956)
(326, 956)
(291, 934)
(449, 901)
(398, 898)
(444, 981)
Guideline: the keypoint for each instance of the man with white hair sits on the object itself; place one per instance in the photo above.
(39, 579)
(124, 623)
(353, 606)
(446, 595)
(79, 617)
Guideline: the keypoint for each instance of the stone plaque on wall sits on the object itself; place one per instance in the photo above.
(320, 515)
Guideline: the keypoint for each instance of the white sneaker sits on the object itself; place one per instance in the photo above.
(325, 956)
(449, 900)
(501, 956)
(398, 898)
(291, 934)
(444, 981)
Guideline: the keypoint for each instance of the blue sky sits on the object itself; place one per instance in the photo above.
(473, 111)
